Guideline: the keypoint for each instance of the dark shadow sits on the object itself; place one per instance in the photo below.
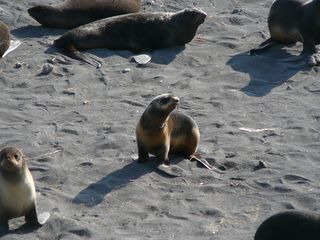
(95, 193)
(36, 31)
(161, 56)
(23, 229)
(266, 70)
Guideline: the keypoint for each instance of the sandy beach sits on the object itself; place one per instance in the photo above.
(77, 126)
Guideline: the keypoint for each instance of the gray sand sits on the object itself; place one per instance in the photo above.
(95, 190)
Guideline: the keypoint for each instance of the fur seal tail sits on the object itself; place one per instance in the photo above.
(72, 52)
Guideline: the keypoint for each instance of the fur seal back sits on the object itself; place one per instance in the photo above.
(73, 13)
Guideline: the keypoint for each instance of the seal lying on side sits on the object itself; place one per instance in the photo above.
(292, 21)
(73, 13)
(136, 32)
(290, 225)
(17, 190)
(4, 38)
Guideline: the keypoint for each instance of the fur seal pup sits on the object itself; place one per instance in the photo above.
(290, 225)
(4, 38)
(292, 21)
(17, 190)
(162, 132)
(136, 32)
(73, 13)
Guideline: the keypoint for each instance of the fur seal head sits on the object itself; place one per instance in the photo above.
(12, 161)
(188, 21)
(158, 110)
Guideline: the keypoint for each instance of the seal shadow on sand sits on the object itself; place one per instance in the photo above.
(158, 56)
(31, 31)
(266, 70)
(21, 230)
(95, 193)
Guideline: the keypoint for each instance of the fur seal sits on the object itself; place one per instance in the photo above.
(73, 13)
(162, 132)
(17, 190)
(290, 225)
(292, 21)
(4, 38)
(136, 32)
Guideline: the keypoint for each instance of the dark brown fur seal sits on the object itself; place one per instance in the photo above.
(162, 132)
(290, 225)
(73, 13)
(292, 21)
(4, 38)
(137, 32)
(17, 190)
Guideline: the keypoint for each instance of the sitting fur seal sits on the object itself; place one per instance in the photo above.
(161, 132)
(4, 38)
(73, 13)
(290, 225)
(17, 190)
(137, 32)
(292, 21)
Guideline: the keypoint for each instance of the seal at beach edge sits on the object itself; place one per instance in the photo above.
(292, 21)
(290, 225)
(136, 32)
(4, 38)
(73, 13)
(17, 190)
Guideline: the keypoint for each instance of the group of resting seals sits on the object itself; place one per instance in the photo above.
(128, 29)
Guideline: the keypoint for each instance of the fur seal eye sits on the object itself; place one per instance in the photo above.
(16, 156)
(165, 100)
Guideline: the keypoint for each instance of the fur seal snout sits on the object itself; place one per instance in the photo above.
(17, 190)
(161, 132)
(290, 225)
